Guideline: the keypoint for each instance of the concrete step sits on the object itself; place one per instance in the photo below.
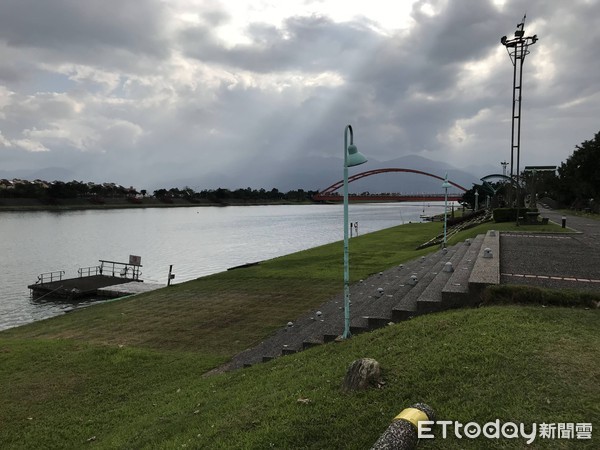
(381, 298)
(313, 341)
(456, 291)
(378, 312)
(316, 328)
(486, 270)
(406, 306)
(382, 288)
(430, 299)
(286, 340)
(288, 351)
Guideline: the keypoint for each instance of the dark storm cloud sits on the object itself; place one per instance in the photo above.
(309, 44)
(429, 59)
(158, 97)
(569, 36)
(462, 31)
(77, 30)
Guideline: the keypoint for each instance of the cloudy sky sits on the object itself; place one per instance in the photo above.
(149, 92)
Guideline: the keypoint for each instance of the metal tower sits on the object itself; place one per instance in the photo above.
(517, 49)
(504, 164)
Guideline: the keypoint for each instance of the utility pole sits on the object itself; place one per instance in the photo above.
(517, 49)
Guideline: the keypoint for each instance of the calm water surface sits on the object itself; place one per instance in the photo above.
(197, 241)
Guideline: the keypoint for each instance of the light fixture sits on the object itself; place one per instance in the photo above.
(352, 157)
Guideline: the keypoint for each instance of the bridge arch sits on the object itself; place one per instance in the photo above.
(498, 175)
(501, 177)
(329, 191)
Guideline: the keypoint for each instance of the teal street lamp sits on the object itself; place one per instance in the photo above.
(445, 185)
(352, 157)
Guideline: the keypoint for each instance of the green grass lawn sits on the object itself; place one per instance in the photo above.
(129, 373)
(227, 312)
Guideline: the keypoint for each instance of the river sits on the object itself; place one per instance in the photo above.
(197, 241)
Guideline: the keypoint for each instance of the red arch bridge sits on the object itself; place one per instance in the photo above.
(330, 193)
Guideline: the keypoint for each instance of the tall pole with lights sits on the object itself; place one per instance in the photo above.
(517, 49)
(352, 157)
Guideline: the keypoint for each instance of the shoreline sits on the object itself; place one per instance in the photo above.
(28, 204)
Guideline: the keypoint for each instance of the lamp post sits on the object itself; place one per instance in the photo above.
(352, 157)
(445, 185)
(476, 199)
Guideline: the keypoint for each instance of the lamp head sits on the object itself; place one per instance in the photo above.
(354, 157)
(445, 184)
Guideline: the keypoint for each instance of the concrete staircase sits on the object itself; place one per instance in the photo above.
(449, 278)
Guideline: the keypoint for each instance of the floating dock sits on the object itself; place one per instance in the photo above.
(108, 280)
(74, 288)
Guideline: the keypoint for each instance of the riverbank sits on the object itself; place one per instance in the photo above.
(197, 241)
(129, 373)
(31, 204)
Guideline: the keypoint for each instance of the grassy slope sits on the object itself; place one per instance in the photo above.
(128, 373)
(230, 311)
(520, 364)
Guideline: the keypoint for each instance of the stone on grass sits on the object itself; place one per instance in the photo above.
(362, 374)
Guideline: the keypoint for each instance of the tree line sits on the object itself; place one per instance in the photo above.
(220, 195)
(575, 184)
(40, 189)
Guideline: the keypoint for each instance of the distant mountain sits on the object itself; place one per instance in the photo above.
(309, 173)
(317, 173)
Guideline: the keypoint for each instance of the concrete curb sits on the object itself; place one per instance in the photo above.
(486, 270)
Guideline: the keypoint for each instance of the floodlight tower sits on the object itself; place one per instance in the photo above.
(504, 164)
(517, 49)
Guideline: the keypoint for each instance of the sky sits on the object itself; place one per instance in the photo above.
(152, 93)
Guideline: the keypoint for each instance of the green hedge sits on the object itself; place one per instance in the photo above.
(510, 214)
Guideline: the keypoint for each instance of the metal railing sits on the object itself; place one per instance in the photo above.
(89, 271)
(119, 269)
(49, 277)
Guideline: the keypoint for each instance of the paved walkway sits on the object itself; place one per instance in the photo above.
(570, 261)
